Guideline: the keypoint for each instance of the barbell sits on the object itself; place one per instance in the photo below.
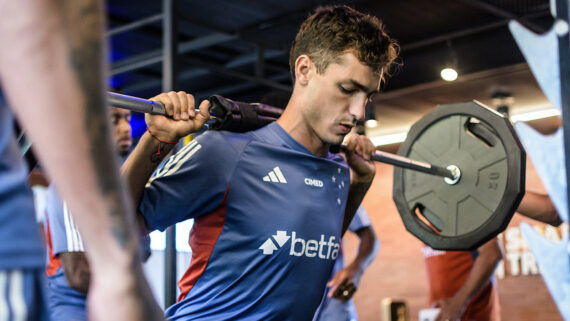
(455, 206)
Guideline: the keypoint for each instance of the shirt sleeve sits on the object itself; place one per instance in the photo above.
(360, 220)
(65, 236)
(193, 182)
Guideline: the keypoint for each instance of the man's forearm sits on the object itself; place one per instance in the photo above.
(53, 77)
(539, 207)
(367, 248)
(489, 256)
(355, 196)
(142, 162)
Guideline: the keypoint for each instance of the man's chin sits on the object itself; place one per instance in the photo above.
(124, 150)
(336, 140)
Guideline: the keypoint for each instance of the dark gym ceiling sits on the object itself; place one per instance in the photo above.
(239, 49)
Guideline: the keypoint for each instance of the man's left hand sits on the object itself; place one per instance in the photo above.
(359, 151)
(450, 309)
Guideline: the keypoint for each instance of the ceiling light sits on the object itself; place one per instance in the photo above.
(533, 115)
(448, 74)
(389, 139)
(371, 123)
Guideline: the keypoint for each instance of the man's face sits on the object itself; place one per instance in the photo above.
(336, 98)
(120, 120)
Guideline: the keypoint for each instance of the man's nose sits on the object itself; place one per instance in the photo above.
(357, 106)
(124, 125)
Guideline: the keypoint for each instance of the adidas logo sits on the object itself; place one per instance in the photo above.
(321, 249)
(275, 176)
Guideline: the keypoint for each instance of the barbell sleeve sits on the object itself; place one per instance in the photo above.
(419, 166)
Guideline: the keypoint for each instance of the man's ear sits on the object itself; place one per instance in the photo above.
(304, 69)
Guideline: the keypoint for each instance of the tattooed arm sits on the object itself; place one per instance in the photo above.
(52, 72)
(166, 131)
(355, 197)
(359, 151)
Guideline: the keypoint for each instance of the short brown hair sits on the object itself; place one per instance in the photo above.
(333, 31)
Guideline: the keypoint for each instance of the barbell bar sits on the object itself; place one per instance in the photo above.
(451, 173)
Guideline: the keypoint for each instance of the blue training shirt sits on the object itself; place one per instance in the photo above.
(268, 219)
(20, 242)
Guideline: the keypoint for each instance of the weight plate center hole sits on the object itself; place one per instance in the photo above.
(456, 175)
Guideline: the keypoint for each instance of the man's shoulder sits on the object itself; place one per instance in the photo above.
(222, 140)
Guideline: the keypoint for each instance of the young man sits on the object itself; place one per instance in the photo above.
(270, 206)
(68, 269)
(52, 78)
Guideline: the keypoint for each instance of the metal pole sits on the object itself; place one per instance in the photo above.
(169, 83)
(563, 13)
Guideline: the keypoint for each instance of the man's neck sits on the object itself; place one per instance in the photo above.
(303, 134)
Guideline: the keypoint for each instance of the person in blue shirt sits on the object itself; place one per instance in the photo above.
(269, 206)
(52, 74)
(68, 269)
(344, 281)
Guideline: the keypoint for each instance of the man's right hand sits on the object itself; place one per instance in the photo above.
(343, 284)
(183, 119)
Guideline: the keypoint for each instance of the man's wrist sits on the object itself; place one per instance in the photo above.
(362, 179)
(366, 179)
(156, 147)
(460, 298)
(163, 136)
(356, 267)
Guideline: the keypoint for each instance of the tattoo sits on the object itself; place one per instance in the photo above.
(355, 196)
(83, 28)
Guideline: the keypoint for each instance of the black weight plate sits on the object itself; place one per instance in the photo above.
(484, 146)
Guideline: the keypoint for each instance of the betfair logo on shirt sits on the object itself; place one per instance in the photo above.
(322, 249)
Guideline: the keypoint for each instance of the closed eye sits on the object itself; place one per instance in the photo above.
(347, 91)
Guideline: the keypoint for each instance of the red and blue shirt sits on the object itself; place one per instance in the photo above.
(268, 219)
